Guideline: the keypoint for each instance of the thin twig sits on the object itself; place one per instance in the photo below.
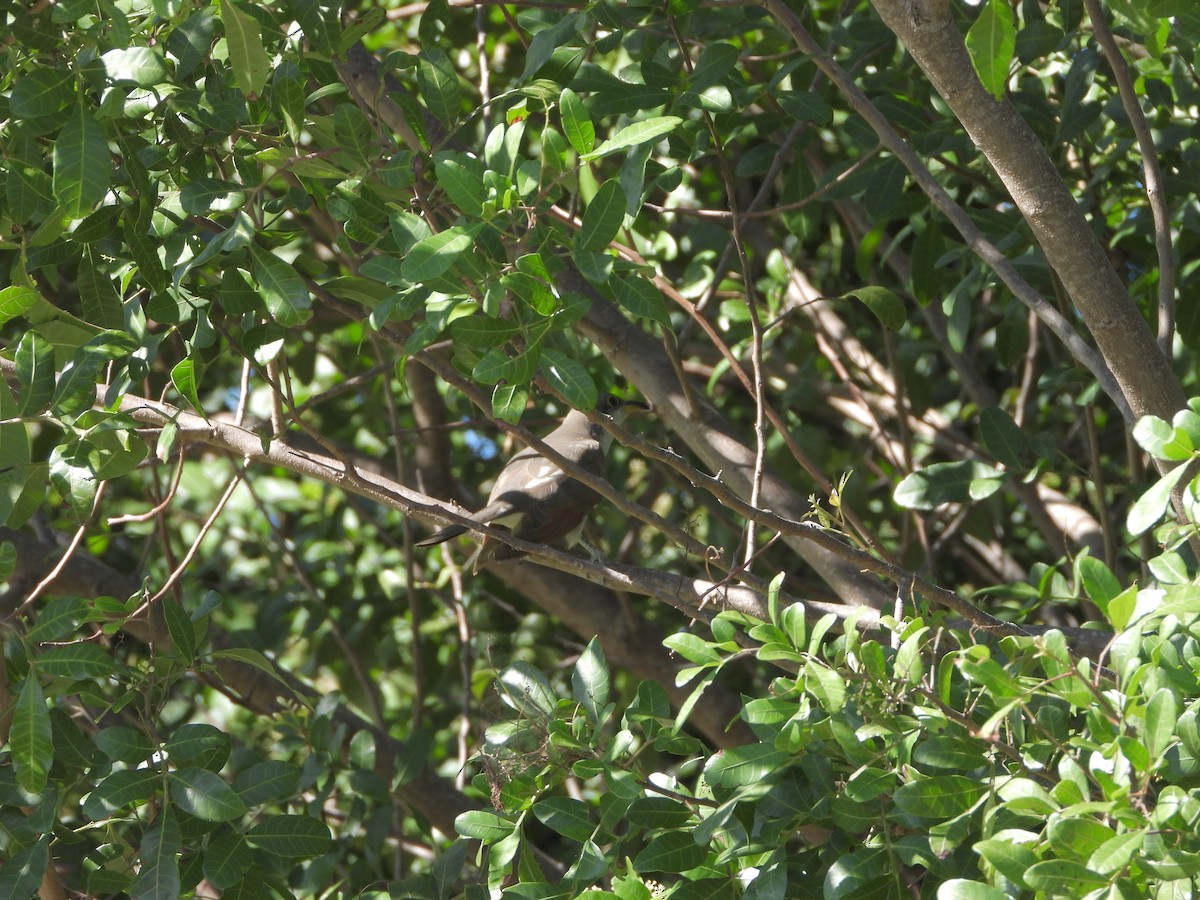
(66, 557)
(195, 547)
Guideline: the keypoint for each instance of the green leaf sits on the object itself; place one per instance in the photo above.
(1116, 852)
(434, 255)
(198, 744)
(632, 135)
(483, 826)
(1098, 580)
(285, 292)
(1150, 507)
(1063, 878)
(291, 836)
(927, 277)
(569, 377)
(497, 366)
(806, 106)
(16, 300)
(826, 685)
(1076, 837)
(1162, 440)
(659, 812)
(121, 789)
(35, 373)
(941, 797)
(532, 291)
(961, 889)
(123, 744)
(674, 851)
(577, 122)
(590, 681)
(82, 164)
(251, 64)
(716, 61)
(640, 297)
(461, 177)
(741, 766)
(603, 217)
(952, 482)
(1011, 858)
(692, 648)
(226, 860)
(509, 402)
(527, 690)
(201, 195)
(203, 794)
(183, 376)
(22, 873)
(852, 871)
(438, 83)
(31, 739)
(991, 42)
(1162, 714)
(1187, 427)
(595, 267)
(41, 92)
(266, 782)
(320, 26)
(159, 854)
(546, 41)
(887, 307)
(480, 332)
(1003, 437)
(79, 659)
(567, 816)
(142, 66)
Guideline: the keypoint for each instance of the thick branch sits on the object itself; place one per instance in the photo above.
(1129, 348)
(1085, 354)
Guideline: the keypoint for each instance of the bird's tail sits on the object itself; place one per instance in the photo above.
(440, 537)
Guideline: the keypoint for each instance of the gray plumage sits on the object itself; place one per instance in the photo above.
(535, 499)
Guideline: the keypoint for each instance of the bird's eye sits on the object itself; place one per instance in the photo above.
(612, 402)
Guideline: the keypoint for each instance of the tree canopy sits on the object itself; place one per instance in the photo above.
(896, 591)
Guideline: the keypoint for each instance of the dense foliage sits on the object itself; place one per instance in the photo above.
(897, 591)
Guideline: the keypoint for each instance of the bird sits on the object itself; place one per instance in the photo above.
(535, 499)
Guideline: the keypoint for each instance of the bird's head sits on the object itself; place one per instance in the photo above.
(618, 408)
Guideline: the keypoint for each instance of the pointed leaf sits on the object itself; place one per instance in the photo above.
(952, 482)
(569, 377)
(577, 122)
(251, 64)
(159, 854)
(990, 42)
(438, 83)
(637, 133)
(31, 739)
(290, 836)
(603, 217)
(887, 307)
(590, 682)
(35, 373)
(205, 795)
(1003, 437)
(284, 291)
(434, 255)
(82, 164)
(1150, 507)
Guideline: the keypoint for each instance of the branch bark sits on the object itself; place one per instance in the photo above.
(1144, 374)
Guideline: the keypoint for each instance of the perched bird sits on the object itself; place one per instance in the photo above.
(535, 499)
